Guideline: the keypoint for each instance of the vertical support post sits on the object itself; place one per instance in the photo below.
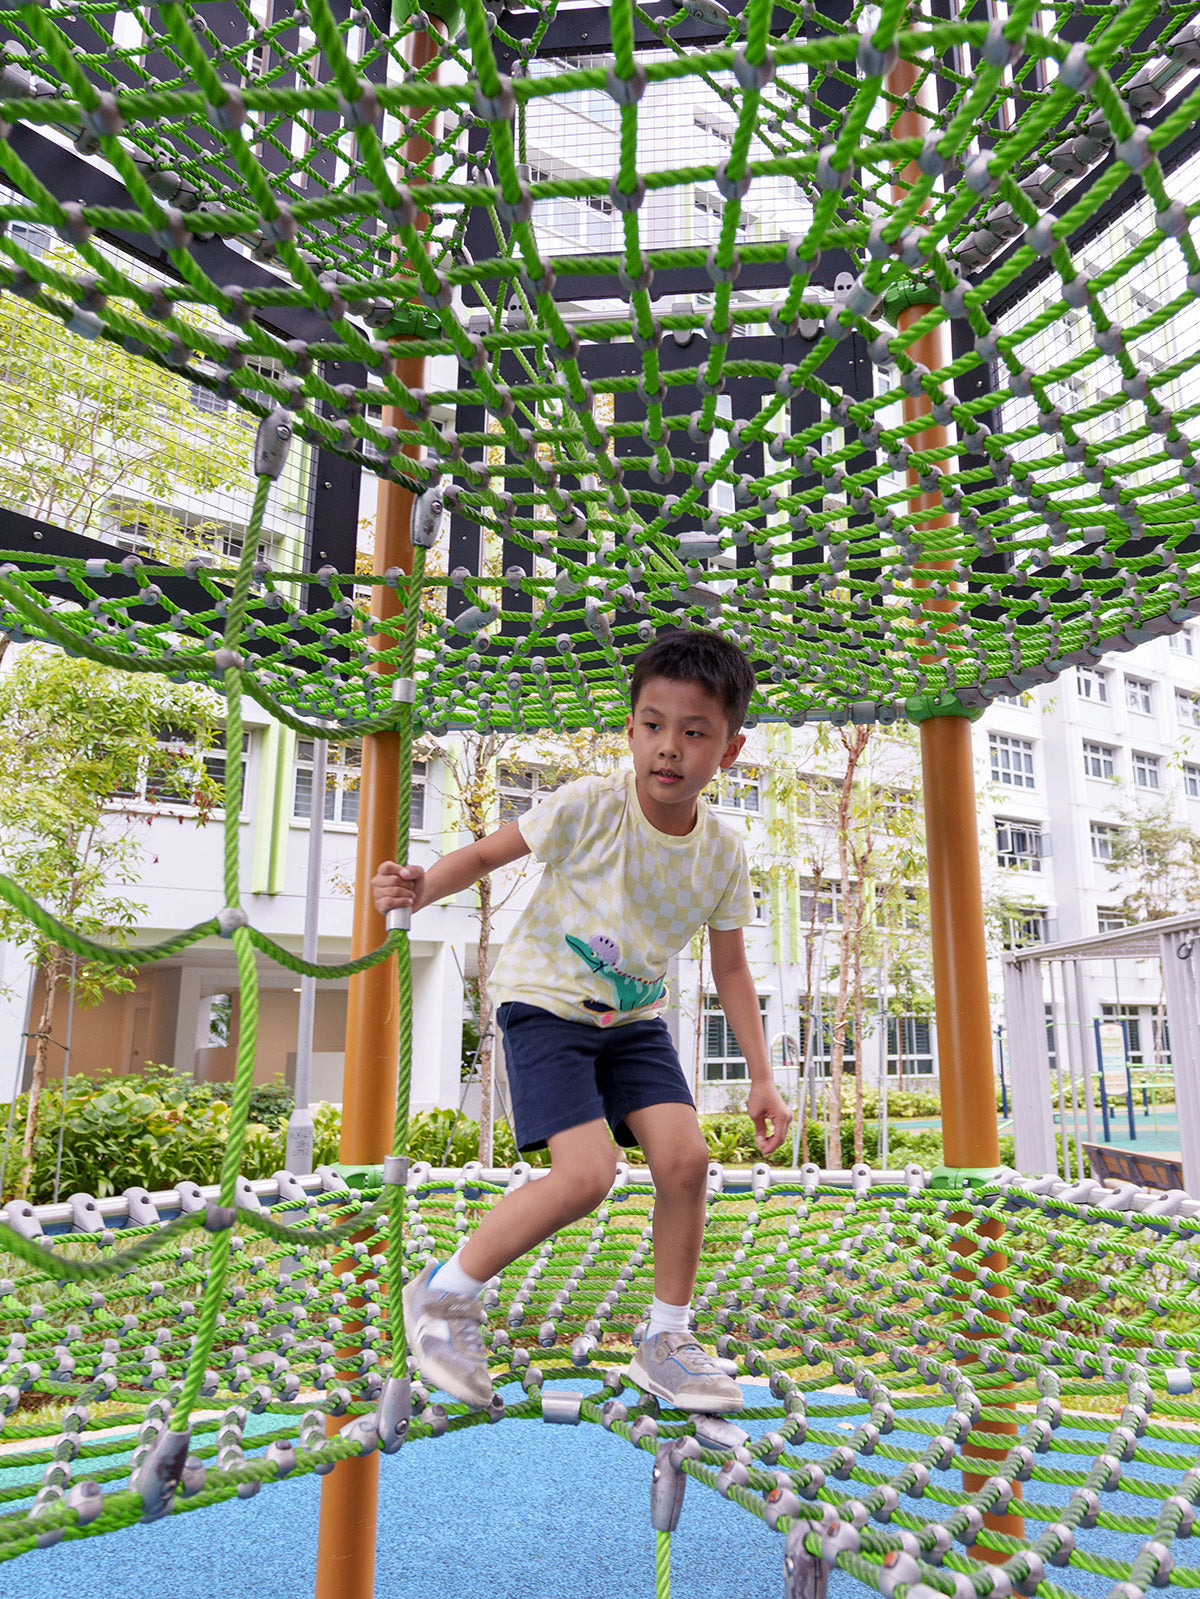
(1029, 1066)
(350, 1493)
(970, 1137)
(299, 1151)
(1180, 956)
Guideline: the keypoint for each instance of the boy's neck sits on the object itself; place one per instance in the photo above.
(676, 820)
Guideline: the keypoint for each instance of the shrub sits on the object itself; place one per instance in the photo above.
(152, 1128)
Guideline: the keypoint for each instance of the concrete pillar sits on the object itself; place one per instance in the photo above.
(187, 1021)
(16, 988)
(164, 1011)
(437, 1027)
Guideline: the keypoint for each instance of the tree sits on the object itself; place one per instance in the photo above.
(84, 424)
(854, 825)
(73, 736)
(1157, 858)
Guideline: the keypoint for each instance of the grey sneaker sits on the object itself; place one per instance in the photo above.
(673, 1366)
(443, 1338)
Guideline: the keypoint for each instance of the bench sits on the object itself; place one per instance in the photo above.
(1132, 1166)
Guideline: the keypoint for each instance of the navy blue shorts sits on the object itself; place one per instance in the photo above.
(562, 1074)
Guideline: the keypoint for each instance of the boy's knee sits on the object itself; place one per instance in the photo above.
(684, 1167)
(589, 1183)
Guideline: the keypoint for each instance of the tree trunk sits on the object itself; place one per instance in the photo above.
(41, 1052)
(859, 1037)
(487, 1037)
(854, 744)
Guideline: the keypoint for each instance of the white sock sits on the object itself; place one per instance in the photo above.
(667, 1318)
(452, 1279)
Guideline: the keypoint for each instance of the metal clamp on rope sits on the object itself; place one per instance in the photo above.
(362, 111)
(625, 91)
(394, 1410)
(426, 518)
(398, 920)
(404, 691)
(395, 1171)
(230, 919)
(667, 1482)
(159, 1475)
(217, 1218)
(271, 443)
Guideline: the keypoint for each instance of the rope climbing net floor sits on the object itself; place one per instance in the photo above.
(1058, 1381)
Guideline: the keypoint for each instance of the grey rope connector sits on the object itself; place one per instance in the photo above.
(271, 443)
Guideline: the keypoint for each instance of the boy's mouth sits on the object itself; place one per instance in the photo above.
(668, 777)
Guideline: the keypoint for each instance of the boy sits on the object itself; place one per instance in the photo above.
(634, 865)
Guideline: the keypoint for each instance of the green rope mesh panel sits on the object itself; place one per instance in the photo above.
(739, 454)
(884, 1372)
(892, 383)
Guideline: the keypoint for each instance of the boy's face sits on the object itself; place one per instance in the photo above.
(679, 736)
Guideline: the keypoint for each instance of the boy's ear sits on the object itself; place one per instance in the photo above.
(732, 751)
(628, 724)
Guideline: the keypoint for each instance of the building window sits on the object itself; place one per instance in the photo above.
(816, 796)
(418, 785)
(173, 778)
(1191, 781)
(1030, 926)
(822, 1045)
(1109, 920)
(1187, 708)
(1099, 760)
(1012, 760)
(343, 769)
(1139, 696)
(723, 1059)
(1146, 770)
(1183, 642)
(519, 787)
(1103, 835)
(910, 1046)
(1091, 684)
(760, 889)
(820, 903)
(1020, 845)
(738, 789)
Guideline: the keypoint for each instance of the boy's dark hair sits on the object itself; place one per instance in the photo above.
(694, 654)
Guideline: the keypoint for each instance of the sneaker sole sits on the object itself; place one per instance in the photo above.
(698, 1400)
(440, 1374)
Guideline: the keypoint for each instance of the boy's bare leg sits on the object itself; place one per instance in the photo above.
(669, 1362)
(674, 1146)
(583, 1166)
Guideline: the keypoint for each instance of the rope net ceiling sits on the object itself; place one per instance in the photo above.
(749, 454)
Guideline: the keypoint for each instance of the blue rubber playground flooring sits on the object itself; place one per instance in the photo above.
(517, 1511)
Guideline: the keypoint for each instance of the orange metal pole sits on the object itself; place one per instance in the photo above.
(350, 1493)
(970, 1136)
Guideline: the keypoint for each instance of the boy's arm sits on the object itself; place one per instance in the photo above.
(394, 885)
(739, 1001)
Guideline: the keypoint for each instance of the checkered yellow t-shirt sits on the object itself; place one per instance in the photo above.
(617, 899)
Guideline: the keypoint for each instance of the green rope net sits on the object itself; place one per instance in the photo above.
(894, 387)
(750, 453)
(884, 1379)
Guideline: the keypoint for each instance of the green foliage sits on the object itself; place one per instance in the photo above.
(1156, 857)
(268, 1101)
(156, 1129)
(72, 736)
(89, 431)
